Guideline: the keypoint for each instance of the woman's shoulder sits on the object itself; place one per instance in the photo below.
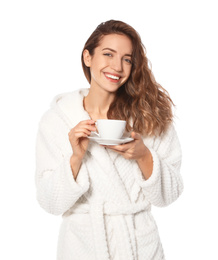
(63, 108)
(168, 141)
(167, 136)
(67, 98)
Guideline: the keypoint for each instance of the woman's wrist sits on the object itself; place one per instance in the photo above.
(145, 163)
(75, 163)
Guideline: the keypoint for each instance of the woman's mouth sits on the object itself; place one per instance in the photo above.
(112, 77)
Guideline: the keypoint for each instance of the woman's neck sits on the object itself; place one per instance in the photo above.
(97, 103)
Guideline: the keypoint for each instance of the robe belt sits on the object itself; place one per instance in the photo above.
(110, 208)
(97, 210)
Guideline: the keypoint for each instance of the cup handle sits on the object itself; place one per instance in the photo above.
(94, 132)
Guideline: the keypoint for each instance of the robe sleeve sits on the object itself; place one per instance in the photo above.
(57, 190)
(165, 184)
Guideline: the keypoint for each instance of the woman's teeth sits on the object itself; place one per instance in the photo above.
(112, 76)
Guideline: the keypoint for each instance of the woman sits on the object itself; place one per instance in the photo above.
(105, 193)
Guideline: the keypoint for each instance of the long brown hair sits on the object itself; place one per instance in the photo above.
(141, 101)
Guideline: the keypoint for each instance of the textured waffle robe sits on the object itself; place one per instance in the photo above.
(107, 209)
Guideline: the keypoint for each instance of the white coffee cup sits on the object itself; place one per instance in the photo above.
(110, 128)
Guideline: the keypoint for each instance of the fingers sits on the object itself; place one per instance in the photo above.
(135, 136)
(121, 148)
(83, 129)
(80, 134)
(129, 150)
(86, 129)
(87, 122)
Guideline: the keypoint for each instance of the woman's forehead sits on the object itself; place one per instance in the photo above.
(116, 42)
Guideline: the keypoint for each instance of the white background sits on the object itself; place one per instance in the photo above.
(40, 48)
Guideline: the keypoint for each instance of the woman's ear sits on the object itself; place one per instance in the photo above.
(87, 58)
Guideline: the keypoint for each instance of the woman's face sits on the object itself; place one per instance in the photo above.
(111, 64)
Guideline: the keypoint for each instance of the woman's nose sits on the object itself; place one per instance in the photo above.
(117, 64)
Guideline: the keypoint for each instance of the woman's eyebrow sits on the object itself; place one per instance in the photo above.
(109, 49)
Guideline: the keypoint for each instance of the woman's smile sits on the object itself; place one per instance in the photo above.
(112, 77)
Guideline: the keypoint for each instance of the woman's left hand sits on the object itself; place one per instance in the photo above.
(133, 150)
(136, 150)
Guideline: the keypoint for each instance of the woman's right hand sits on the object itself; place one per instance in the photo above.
(78, 137)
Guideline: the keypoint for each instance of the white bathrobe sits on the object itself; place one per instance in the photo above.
(107, 209)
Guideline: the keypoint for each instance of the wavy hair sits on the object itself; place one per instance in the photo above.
(141, 101)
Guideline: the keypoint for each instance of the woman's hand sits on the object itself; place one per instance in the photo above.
(132, 150)
(78, 137)
(136, 150)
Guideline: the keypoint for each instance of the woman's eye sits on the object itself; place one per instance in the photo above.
(129, 61)
(108, 54)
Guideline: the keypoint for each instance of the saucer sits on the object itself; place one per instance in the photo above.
(104, 141)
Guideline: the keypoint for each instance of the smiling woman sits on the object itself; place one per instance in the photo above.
(105, 193)
(141, 96)
(110, 64)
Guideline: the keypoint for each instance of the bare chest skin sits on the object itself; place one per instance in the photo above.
(94, 115)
